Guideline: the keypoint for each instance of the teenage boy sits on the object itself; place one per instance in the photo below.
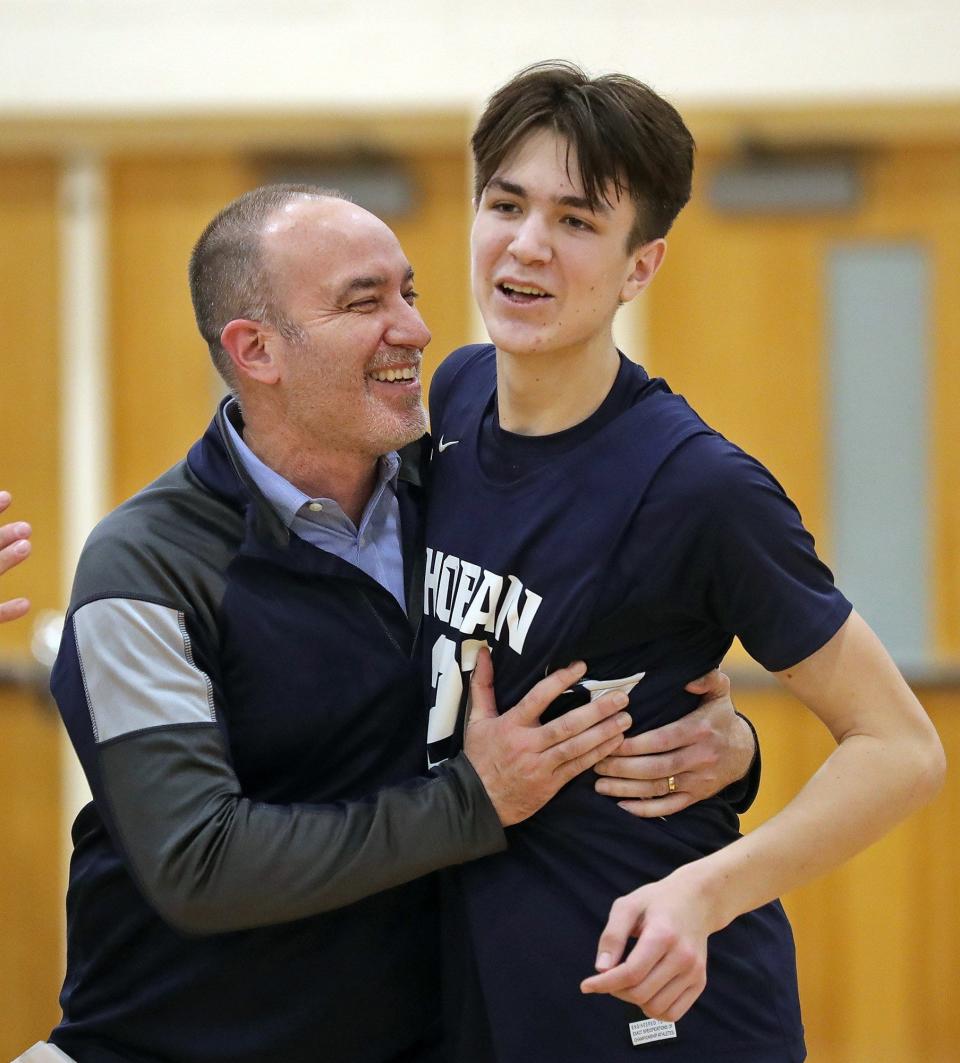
(580, 509)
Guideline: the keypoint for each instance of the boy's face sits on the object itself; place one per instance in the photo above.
(548, 271)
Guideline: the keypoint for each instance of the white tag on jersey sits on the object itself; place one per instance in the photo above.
(646, 1030)
(598, 687)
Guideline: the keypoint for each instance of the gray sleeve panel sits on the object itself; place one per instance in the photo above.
(210, 860)
(171, 543)
(137, 667)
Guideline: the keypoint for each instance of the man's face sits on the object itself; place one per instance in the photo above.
(548, 271)
(352, 380)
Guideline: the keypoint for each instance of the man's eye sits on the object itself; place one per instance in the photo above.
(411, 297)
(363, 304)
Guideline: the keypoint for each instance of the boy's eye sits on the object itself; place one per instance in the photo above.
(578, 223)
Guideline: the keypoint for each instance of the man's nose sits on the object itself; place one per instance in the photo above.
(408, 328)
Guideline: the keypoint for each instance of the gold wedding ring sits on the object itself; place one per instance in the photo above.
(671, 784)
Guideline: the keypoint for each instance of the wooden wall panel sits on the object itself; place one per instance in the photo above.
(877, 940)
(737, 323)
(734, 324)
(164, 387)
(31, 893)
(436, 239)
(29, 376)
(940, 192)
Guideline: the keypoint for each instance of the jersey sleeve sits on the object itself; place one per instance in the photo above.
(765, 582)
(134, 685)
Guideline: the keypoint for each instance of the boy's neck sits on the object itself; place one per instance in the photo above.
(539, 394)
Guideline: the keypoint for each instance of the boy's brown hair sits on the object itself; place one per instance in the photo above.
(626, 138)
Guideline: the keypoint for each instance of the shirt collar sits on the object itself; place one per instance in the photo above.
(286, 499)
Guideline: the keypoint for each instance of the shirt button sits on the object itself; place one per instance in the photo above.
(315, 507)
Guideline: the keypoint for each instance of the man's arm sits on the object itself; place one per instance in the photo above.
(14, 548)
(208, 858)
(888, 762)
(710, 750)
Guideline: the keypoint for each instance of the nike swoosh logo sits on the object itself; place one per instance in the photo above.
(441, 446)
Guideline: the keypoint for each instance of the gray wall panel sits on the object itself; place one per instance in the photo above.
(878, 351)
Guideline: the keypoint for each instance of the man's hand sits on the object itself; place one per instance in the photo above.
(702, 753)
(523, 763)
(14, 548)
(666, 970)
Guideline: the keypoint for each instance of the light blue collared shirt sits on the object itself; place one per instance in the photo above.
(374, 547)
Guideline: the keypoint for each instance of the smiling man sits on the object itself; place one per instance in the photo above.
(638, 539)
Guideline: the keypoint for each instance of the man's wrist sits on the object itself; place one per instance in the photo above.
(741, 794)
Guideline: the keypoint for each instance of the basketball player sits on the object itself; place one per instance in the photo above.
(581, 509)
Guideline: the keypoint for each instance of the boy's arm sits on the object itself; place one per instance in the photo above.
(888, 762)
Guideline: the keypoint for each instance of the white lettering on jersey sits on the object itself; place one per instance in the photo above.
(483, 606)
(469, 575)
(518, 622)
(455, 592)
(448, 678)
(438, 584)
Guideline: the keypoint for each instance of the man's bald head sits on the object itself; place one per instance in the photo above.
(306, 243)
(230, 276)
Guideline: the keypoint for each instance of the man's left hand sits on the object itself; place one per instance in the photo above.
(662, 771)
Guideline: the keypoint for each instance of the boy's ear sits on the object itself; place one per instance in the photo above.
(645, 262)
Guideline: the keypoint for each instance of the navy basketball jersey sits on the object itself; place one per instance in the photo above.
(523, 564)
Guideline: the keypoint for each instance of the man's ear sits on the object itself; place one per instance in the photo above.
(249, 344)
(645, 260)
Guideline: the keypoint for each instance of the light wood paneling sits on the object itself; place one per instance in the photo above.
(29, 377)
(436, 240)
(716, 128)
(877, 940)
(401, 132)
(737, 323)
(31, 897)
(163, 383)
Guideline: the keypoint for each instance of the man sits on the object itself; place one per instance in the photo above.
(636, 538)
(14, 548)
(239, 679)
